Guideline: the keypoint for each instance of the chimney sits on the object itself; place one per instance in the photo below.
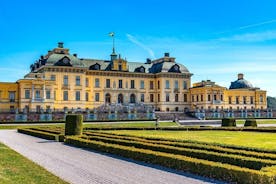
(240, 76)
(60, 44)
(166, 54)
(75, 55)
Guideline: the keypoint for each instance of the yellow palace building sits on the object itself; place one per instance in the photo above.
(60, 80)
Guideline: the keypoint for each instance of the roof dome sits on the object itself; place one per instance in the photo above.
(240, 83)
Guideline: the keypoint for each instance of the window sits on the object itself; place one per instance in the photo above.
(158, 84)
(77, 95)
(215, 97)
(65, 95)
(107, 83)
(120, 66)
(87, 96)
(221, 97)
(184, 85)
(167, 84)
(244, 100)
(251, 100)
(120, 98)
(132, 98)
(86, 82)
(142, 84)
(65, 80)
(151, 85)
(107, 98)
(27, 94)
(12, 96)
(261, 99)
(176, 84)
(37, 94)
(132, 84)
(78, 83)
(237, 100)
(185, 98)
(167, 97)
(201, 98)
(53, 78)
(12, 108)
(120, 83)
(142, 98)
(193, 98)
(97, 97)
(176, 98)
(151, 97)
(209, 97)
(97, 82)
(48, 94)
(158, 97)
(230, 100)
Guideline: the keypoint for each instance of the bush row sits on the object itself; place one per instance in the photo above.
(249, 129)
(242, 161)
(260, 150)
(48, 130)
(210, 169)
(188, 145)
(40, 134)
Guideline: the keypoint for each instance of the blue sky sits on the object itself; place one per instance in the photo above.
(214, 39)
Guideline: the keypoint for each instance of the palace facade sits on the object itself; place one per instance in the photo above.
(60, 80)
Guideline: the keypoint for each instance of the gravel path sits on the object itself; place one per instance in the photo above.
(81, 166)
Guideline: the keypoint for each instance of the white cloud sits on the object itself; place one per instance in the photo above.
(140, 44)
(251, 37)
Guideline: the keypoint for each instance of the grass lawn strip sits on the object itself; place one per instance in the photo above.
(14, 168)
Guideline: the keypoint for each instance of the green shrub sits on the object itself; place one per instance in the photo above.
(250, 122)
(196, 146)
(210, 169)
(73, 124)
(36, 133)
(238, 160)
(228, 122)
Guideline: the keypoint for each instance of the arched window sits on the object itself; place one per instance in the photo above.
(107, 98)
(120, 98)
(132, 98)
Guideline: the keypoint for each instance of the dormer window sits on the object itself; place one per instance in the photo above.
(95, 67)
(175, 69)
(140, 69)
(65, 61)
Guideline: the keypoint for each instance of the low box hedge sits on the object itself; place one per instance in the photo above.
(189, 145)
(250, 123)
(210, 169)
(228, 122)
(242, 161)
(41, 134)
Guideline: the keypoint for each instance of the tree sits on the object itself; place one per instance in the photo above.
(271, 102)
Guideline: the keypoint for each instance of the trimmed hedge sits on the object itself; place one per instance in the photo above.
(188, 145)
(228, 122)
(242, 161)
(210, 169)
(204, 143)
(250, 123)
(73, 124)
(40, 134)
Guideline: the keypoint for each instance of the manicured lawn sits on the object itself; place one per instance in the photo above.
(259, 121)
(125, 124)
(14, 168)
(246, 139)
